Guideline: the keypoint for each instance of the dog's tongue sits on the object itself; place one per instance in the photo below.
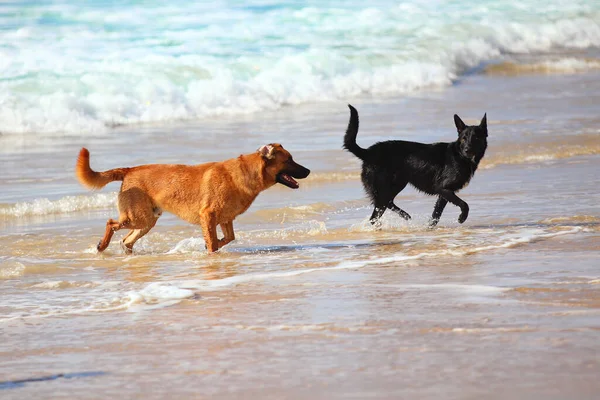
(290, 180)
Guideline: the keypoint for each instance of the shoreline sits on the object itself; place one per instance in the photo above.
(314, 134)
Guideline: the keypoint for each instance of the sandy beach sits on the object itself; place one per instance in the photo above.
(310, 301)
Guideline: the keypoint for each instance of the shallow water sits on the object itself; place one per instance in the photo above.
(311, 301)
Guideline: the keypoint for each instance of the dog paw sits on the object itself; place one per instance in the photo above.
(127, 250)
(376, 223)
(462, 217)
(433, 223)
(223, 242)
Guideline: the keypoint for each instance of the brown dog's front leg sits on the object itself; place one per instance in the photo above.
(208, 222)
(227, 229)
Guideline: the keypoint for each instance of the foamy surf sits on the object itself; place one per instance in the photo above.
(226, 61)
(87, 303)
(65, 205)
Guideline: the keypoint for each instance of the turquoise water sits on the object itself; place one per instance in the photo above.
(81, 67)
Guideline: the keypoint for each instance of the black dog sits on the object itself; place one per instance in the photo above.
(440, 169)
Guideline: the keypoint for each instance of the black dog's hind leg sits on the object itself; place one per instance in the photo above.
(398, 210)
(457, 201)
(379, 210)
(376, 216)
(390, 193)
(440, 204)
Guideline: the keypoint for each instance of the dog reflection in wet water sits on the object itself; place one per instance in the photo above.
(208, 194)
(439, 169)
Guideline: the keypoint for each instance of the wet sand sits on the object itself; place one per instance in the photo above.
(311, 301)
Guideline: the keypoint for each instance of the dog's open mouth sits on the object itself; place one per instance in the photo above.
(287, 180)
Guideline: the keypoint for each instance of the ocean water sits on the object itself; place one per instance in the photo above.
(73, 68)
(310, 301)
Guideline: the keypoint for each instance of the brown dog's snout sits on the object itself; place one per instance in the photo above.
(299, 172)
(291, 172)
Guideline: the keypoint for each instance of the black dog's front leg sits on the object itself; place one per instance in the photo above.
(440, 204)
(457, 201)
(377, 213)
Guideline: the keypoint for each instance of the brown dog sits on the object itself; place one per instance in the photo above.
(208, 194)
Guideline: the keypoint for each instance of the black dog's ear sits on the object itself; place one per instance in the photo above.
(483, 124)
(460, 125)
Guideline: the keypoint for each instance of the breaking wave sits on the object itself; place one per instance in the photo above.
(71, 68)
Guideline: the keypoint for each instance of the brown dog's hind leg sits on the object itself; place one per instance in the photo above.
(128, 234)
(134, 235)
(208, 222)
(227, 229)
(111, 227)
(137, 208)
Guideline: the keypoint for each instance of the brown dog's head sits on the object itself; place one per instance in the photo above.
(280, 165)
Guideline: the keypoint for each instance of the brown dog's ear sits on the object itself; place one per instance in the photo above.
(460, 125)
(267, 151)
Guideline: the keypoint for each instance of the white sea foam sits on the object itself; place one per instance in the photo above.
(88, 70)
(188, 245)
(157, 291)
(66, 204)
(64, 284)
(157, 295)
(11, 269)
(470, 289)
(95, 298)
(304, 228)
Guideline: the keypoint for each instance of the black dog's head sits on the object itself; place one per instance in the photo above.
(281, 167)
(472, 139)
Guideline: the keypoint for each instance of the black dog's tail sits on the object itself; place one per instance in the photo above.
(350, 137)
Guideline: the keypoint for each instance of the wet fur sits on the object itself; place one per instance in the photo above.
(208, 194)
(438, 169)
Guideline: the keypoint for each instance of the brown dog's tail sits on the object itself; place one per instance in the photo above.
(92, 179)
